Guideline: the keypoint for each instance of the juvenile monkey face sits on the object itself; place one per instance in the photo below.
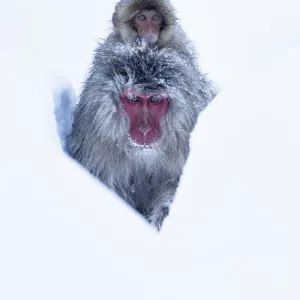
(148, 24)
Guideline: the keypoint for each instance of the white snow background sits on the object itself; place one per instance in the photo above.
(233, 231)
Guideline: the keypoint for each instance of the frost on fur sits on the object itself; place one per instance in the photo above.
(64, 104)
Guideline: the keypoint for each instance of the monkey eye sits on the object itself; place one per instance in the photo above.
(132, 98)
(156, 18)
(141, 17)
(156, 99)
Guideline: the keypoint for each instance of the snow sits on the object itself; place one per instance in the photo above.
(233, 232)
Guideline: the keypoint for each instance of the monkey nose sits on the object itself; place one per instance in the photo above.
(145, 129)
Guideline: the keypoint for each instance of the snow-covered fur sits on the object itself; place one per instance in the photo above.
(64, 104)
(126, 9)
(146, 178)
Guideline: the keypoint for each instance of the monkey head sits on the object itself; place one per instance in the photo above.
(137, 109)
(148, 20)
(148, 24)
(145, 110)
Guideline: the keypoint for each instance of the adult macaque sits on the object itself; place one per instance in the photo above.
(132, 125)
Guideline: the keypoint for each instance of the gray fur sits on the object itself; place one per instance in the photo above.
(64, 103)
(145, 178)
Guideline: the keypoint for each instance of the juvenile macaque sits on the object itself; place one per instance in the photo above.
(152, 21)
(148, 20)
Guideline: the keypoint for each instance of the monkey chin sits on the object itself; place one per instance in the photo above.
(150, 39)
(147, 156)
(143, 145)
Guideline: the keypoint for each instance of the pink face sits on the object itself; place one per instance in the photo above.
(145, 113)
(148, 24)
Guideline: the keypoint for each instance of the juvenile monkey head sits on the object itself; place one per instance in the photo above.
(149, 20)
(148, 24)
